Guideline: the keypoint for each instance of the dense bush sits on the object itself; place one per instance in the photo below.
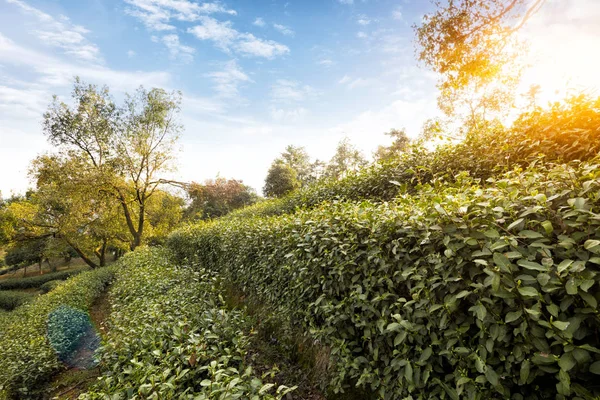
(37, 281)
(26, 356)
(10, 300)
(66, 326)
(564, 132)
(50, 286)
(460, 291)
(170, 336)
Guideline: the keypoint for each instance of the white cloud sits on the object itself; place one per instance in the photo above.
(286, 91)
(397, 14)
(346, 1)
(289, 116)
(259, 22)
(219, 32)
(54, 72)
(361, 35)
(156, 14)
(351, 83)
(228, 80)
(284, 29)
(363, 20)
(62, 34)
(326, 62)
(228, 39)
(178, 50)
(131, 53)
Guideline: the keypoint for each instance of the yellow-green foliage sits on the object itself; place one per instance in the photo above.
(26, 357)
(463, 290)
(171, 337)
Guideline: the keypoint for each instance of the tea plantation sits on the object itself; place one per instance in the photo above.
(422, 278)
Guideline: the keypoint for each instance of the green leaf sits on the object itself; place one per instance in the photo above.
(562, 325)
(571, 286)
(589, 298)
(567, 362)
(564, 265)
(491, 376)
(547, 225)
(531, 265)
(514, 224)
(502, 261)
(524, 373)
(513, 316)
(531, 234)
(528, 291)
(595, 368)
(591, 243)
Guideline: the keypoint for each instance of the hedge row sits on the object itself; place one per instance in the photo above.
(10, 300)
(461, 291)
(26, 356)
(564, 132)
(171, 337)
(37, 281)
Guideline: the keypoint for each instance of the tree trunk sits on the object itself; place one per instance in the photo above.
(101, 253)
(40, 265)
(82, 255)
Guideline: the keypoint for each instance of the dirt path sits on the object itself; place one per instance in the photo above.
(70, 383)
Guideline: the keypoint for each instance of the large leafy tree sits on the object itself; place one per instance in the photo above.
(472, 46)
(123, 150)
(218, 197)
(346, 159)
(281, 180)
(399, 145)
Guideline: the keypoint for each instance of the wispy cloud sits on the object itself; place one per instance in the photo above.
(157, 14)
(326, 62)
(397, 14)
(228, 39)
(287, 91)
(352, 83)
(284, 29)
(290, 116)
(178, 50)
(62, 34)
(228, 80)
(347, 2)
(259, 22)
(361, 35)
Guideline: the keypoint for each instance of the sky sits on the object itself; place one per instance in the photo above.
(256, 75)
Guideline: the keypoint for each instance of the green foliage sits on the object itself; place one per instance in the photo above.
(11, 300)
(171, 336)
(66, 326)
(462, 290)
(564, 132)
(281, 180)
(38, 280)
(50, 286)
(218, 197)
(26, 356)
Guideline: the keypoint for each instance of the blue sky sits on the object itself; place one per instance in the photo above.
(255, 75)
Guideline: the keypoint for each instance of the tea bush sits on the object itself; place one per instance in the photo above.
(170, 336)
(66, 326)
(565, 132)
(37, 281)
(463, 290)
(26, 356)
(11, 300)
(50, 286)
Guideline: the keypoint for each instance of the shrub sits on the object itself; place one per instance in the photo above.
(37, 281)
(50, 286)
(565, 132)
(170, 336)
(11, 300)
(26, 356)
(66, 326)
(460, 291)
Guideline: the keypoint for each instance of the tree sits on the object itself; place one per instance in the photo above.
(281, 180)
(472, 46)
(125, 149)
(218, 197)
(346, 159)
(399, 145)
